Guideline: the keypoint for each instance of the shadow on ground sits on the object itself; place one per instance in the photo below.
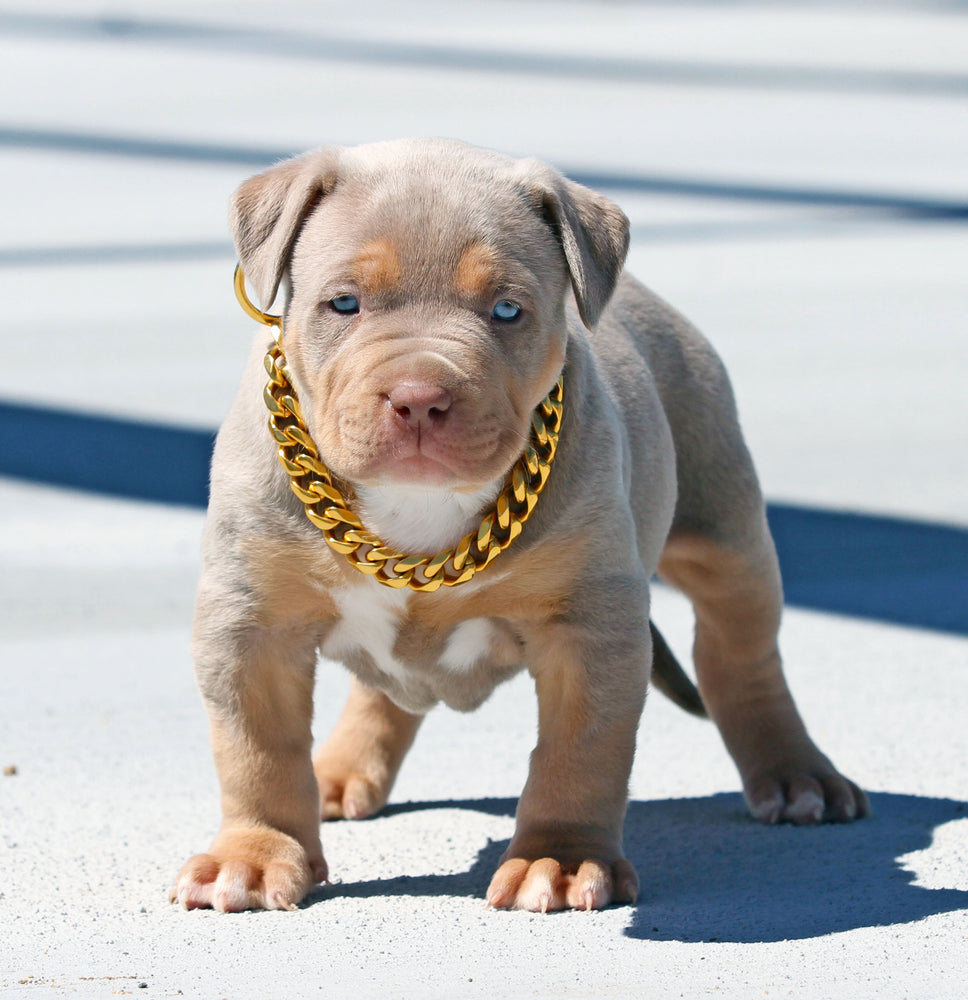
(709, 873)
(882, 568)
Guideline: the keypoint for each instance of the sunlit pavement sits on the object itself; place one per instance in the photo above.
(796, 180)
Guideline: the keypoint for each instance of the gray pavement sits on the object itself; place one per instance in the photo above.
(796, 179)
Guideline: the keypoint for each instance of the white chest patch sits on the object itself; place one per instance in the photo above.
(369, 621)
(421, 520)
(467, 645)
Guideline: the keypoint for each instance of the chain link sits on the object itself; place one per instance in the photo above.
(328, 509)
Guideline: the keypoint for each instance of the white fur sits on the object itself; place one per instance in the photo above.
(369, 620)
(421, 521)
(467, 645)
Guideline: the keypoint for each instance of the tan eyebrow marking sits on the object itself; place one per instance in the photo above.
(477, 274)
(376, 268)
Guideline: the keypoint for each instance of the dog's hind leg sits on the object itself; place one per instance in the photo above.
(732, 576)
(356, 767)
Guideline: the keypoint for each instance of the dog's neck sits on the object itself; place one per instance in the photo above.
(418, 519)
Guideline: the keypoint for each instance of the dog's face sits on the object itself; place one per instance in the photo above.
(427, 288)
(423, 331)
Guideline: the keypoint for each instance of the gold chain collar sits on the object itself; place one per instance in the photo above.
(328, 509)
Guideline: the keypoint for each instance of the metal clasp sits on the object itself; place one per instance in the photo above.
(268, 319)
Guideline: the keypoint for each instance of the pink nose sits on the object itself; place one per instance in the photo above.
(420, 403)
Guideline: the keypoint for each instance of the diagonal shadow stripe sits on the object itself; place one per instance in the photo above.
(109, 144)
(892, 569)
(335, 48)
(895, 203)
(887, 569)
(92, 452)
(115, 253)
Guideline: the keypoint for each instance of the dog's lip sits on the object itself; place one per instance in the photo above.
(450, 455)
(417, 468)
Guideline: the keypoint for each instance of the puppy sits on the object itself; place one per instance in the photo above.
(485, 439)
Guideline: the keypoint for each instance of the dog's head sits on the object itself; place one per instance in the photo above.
(426, 290)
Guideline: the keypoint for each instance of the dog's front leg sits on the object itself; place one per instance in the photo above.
(257, 683)
(567, 847)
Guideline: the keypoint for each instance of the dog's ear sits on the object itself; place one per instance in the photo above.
(593, 232)
(268, 210)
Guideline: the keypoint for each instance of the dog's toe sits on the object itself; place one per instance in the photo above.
(542, 888)
(351, 797)
(805, 804)
(235, 886)
(194, 887)
(247, 870)
(805, 795)
(545, 885)
(844, 801)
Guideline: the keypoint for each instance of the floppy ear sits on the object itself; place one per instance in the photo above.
(268, 210)
(593, 231)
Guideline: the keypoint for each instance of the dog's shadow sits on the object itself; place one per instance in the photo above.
(709, 873)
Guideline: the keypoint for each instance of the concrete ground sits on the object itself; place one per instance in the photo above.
(796, 179)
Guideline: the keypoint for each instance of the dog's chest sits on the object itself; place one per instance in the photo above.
(380, 638)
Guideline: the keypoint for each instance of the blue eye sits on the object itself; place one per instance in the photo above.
(345, 304)
(505, 311)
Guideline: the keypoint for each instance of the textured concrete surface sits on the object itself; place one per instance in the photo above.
(796, 181)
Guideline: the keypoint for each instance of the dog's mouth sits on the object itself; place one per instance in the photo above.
(418, 433)
(463, 455)
(417, 470)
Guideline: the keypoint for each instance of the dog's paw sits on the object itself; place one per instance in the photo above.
(546, 885)
(251, 869)
(804, 792)
(349, 796)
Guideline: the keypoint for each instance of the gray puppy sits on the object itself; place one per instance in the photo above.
(485, 439)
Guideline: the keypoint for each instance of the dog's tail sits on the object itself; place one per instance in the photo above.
(669, 677)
